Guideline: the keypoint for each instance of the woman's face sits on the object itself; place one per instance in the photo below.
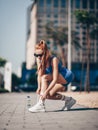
(38, 54)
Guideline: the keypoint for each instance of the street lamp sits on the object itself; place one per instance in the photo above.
(69, 35)
(69, 39)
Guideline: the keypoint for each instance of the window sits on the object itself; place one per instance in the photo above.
(84, 4)
(63, 3)
(96, 14)
(84, 27)
(77, 27)
(84, 38)
(84, 33)
(48, 11)
(56, 15)
(41, 3)
(55, 11)
(48, 15)
(92, 2)
(40, 10)
(56, 3)
(39, 26)
(72, 4)
(97, 4)
(76, 33)
(84, 43)
(77, 3)
(39, 20)
(55, 22)
(48, 3)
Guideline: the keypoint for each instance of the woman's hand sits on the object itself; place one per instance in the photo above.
(38, 90)
(44, 95)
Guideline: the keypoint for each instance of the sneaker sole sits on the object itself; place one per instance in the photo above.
(35, 111)
(70, 104)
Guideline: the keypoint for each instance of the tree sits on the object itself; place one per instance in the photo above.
(60, 38)
(86, 18)
(2, 62)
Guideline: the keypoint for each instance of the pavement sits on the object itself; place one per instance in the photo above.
(15, 116)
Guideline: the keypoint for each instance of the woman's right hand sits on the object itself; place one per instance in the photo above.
(38, 91)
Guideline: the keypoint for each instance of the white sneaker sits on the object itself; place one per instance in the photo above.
(68, 104)
(39, 107)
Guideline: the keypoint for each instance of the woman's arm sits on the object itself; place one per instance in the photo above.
(39, 76)
(38, 67)
(55, 74)
(39, 85)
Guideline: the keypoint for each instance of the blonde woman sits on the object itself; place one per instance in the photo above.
(52, 78)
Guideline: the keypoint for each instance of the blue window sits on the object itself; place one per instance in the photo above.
(84, 4)
(97, 14)
(48, 3)
(56, 4)
(77, 3)
(55, 22)
(92, 3)
(71, 3)
(41, 3)
(55, 11)
(63, 3)
(48, 15)
(97, 4)
(56, 15)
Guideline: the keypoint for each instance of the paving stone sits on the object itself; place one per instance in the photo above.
(15, 116)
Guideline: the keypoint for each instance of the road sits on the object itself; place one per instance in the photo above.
(15, 116)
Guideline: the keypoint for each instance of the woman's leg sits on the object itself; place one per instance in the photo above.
(69, 101)
(45, 82)
(53, 93)
(48, 78)
(40, 106)
(57, 88)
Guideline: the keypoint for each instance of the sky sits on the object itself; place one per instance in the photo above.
(13, 20)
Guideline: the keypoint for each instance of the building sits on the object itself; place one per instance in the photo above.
(43, 11)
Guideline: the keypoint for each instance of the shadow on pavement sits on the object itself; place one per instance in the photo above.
(83, 109)
(75, 109)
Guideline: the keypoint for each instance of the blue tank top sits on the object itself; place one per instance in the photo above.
(49, 69)
(67, 74)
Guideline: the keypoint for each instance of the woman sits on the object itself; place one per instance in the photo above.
(52, 78)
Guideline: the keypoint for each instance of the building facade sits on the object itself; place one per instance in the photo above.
(42, 12)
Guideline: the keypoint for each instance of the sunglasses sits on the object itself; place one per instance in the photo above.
(36, 55)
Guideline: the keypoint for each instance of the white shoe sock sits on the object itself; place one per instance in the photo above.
(41, 101)
(65, 98)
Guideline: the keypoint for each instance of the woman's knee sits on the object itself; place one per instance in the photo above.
(57, 88)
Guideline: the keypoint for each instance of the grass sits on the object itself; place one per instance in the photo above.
(2, 90)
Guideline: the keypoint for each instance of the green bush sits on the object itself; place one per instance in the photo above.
(15, 81)
(2, 90)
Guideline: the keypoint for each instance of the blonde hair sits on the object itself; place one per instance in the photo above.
(46, 54)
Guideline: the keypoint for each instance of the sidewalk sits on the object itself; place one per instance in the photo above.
(84, 98)
(14, 115)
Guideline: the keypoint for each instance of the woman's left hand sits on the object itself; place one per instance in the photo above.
(44, 95)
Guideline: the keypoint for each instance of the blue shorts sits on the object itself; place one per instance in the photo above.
(68, 76)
